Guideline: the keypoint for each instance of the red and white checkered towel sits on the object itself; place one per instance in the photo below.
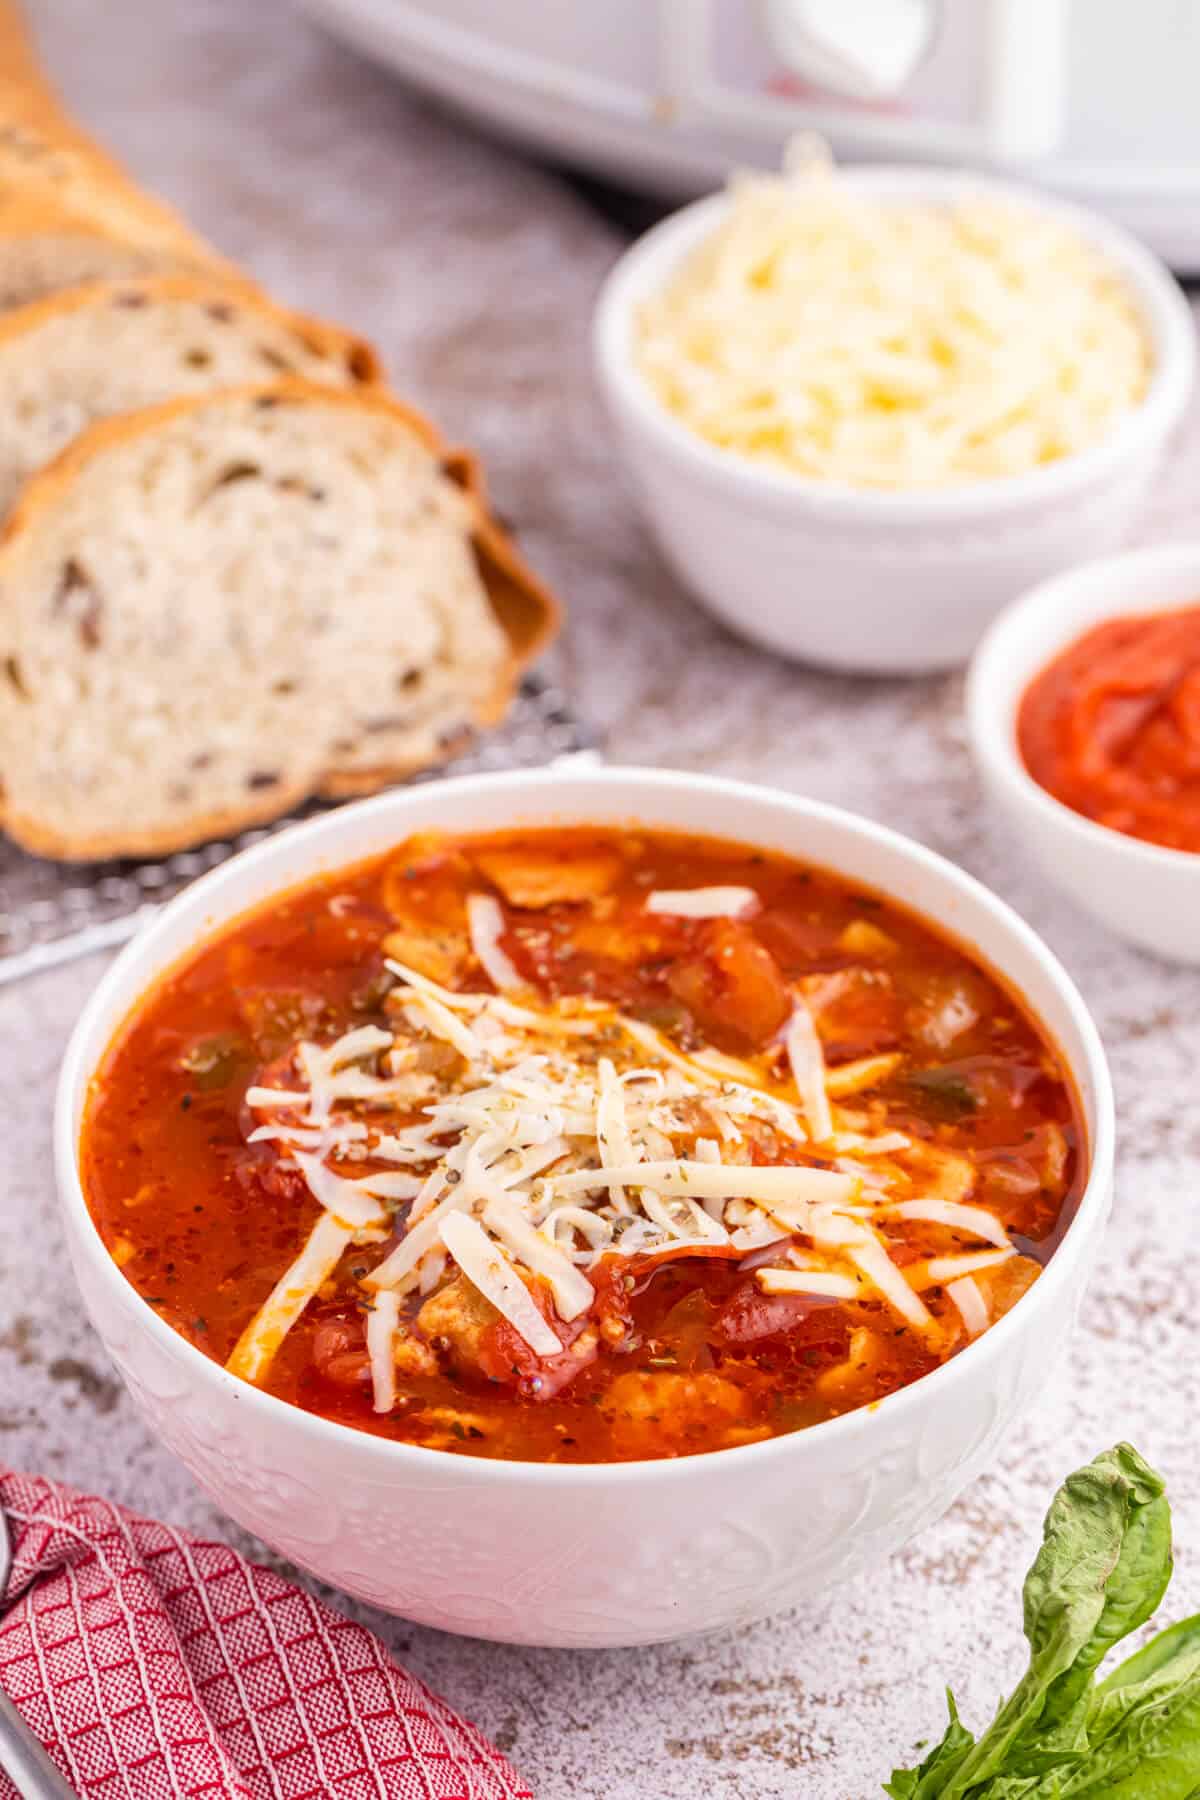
(154, 1666)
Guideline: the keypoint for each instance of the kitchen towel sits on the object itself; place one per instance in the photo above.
(154, 1666)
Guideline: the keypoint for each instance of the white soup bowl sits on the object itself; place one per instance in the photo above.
(596, 1554)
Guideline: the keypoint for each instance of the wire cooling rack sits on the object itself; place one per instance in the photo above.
(51, 912)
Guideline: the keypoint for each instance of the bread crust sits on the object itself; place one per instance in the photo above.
(19, 60)
(33, 207)
(332, 341)
(52, 164)
(524, 608)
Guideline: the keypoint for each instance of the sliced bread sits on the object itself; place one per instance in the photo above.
(112, 347)
(214, 608)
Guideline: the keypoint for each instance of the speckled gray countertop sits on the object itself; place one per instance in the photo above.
(476, 273)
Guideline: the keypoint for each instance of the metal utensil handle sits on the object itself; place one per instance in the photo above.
(25, 1762)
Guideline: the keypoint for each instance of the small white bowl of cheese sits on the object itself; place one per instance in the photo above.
(864, 410)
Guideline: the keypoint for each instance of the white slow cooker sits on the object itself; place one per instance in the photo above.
(1094, 99)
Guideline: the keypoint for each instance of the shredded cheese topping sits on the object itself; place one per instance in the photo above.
(888, 344)
(536, 1157)
(703, 903)
(485, 921)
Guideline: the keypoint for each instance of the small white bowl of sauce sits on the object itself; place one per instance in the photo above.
(1083, 703)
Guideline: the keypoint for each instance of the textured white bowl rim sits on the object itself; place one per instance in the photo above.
(996, 685)
(78, 1067)
(644, 268)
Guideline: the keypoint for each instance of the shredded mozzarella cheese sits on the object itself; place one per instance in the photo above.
(485, 1265)
(485, 922)
(253, 1353)
(809, 1281)
(891, 344)
(573, 1292)
(807, 1062)
(972, 1307)
(879, 1269)
(703, 903)
(948, 1268)
(855, 1077)
(533, 1158)
(976, 1221)
(774, 1184)
(381, 1349)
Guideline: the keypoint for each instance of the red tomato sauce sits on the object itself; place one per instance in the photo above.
(1112, 727)
(680, 1354)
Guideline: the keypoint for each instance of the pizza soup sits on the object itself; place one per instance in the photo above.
(581, 1145)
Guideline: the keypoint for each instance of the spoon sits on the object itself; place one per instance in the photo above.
(21, 1756)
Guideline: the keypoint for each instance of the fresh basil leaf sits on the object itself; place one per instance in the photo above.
(1104, 1563)
(1170, 1648)
(1112, 1714)
(1118, 1499)
(941, 1761)
(1169, 1662)
(1151, 1750)
(945, 1089)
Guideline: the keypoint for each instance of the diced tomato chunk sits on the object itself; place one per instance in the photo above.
(507, 1357)
(611, 1308)
(468, 1331)
(260, 1171)
(857, 1012)
(339, 1353)
(731, 984)
(751, 1317)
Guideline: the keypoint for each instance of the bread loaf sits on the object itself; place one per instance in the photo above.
(112, 347)
(212, 609)
(68, 211)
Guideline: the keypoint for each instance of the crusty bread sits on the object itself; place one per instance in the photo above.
(213, 608)
(57, 167)
(112, 347)
(65, 219)
(21, 68)
(68, 211)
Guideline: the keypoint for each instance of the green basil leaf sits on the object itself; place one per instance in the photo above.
(1138, 1519)
(1151, 1747)
(1169, 1649)
(945, 1089)
(1169, 1663)
(1104, 1563)
(941, 1761)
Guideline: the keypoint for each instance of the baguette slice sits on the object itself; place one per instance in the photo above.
(214, 608)
(113, 347)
